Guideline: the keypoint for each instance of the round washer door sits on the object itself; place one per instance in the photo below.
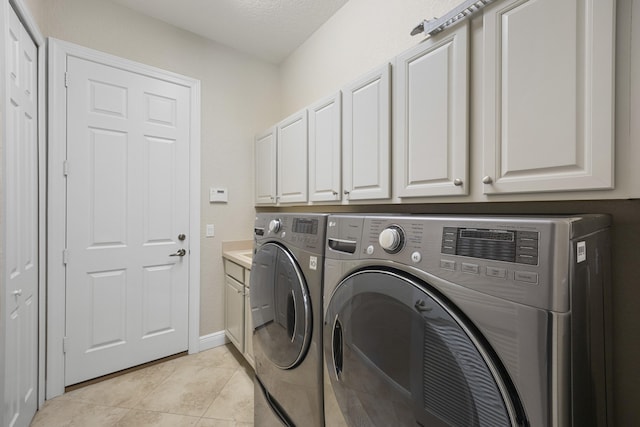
(397, 353)
(280, 306)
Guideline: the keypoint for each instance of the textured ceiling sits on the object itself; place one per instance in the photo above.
(268, 29)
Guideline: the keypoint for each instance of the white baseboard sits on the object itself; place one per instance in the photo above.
(213, 340)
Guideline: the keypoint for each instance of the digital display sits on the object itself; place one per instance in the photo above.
(499, 245)
(305, 226)
(497, 235)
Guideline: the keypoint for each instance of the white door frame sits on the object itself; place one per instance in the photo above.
(32, 28)
(58, 53)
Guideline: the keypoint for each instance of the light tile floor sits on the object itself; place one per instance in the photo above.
(213, 388)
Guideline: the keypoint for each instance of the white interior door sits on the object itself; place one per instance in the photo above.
(127, 214)
(21, 234)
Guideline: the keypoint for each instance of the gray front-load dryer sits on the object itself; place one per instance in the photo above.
(286, 310)
(466, 321)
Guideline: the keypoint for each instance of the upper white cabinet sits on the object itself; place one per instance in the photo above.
(430, 126)
(292, 159)
(366, 136)
(265, 167)
(325, 144)
(548, 95)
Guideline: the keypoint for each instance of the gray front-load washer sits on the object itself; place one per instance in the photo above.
(286, 309)
(467, 321)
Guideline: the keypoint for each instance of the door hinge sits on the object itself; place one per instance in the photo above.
(64, 344)
(65, 168)
(66, 79)
(65, 256)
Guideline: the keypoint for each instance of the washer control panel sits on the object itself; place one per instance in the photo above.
(302, 230)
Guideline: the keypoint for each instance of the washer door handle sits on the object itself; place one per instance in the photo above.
(291, 316)
(337, 348)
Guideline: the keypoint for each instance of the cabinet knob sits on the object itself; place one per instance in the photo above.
(487, 180)
(335, 193)
(346, 192)
(457, 182)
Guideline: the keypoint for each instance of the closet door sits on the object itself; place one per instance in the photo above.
(20, 283)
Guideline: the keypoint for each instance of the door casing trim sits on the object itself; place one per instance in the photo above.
(56, 275)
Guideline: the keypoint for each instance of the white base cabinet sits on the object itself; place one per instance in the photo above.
(237, 309)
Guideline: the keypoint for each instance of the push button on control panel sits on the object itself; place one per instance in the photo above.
(448, 265)
(497, 272)
(526, 276)
(416, 257)
(470, 268)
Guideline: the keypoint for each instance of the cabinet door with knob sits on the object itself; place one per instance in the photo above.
(234, 312)
(548, 95)
(366, 136)
(292, 159)
(325, 143)
(265, 167)
(430, 121)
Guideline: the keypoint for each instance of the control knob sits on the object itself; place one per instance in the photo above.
(275, 225)
(391, 239)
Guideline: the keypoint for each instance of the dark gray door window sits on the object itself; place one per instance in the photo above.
(280, 306)
(397, 354)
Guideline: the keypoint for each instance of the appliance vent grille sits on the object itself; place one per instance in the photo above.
(458, 387)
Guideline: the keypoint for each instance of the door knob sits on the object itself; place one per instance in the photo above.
(180, 252)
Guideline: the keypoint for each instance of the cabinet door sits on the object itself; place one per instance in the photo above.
(325, 143)
(234, 312)
(292, 159)
(430, 116)
(366, 136)
(265, 167)
(548, 107)
(248, 331)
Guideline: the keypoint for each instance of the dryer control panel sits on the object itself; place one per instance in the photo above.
(516, 246)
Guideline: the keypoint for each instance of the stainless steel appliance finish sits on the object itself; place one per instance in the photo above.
(286, 308)
(467, 321)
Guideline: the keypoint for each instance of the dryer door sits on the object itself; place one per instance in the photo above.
(398, 353)
(280, 306)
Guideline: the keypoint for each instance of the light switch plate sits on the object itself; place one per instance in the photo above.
(210, 230)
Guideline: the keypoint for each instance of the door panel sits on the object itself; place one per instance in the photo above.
(366, 136)
(419, 364)
(281, 307)
(20, 283)
(127, 202)
(431, 116)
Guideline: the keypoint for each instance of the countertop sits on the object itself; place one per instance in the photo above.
(240, 252)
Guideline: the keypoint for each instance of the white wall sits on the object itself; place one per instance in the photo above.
(239, 98)
(360, 36)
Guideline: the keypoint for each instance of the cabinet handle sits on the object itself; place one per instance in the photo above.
(457, 182)
(487, 180)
